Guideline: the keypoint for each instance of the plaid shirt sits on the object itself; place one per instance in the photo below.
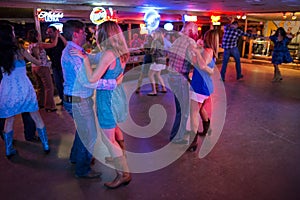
(179, 56)
(232, 35)
(75, 79)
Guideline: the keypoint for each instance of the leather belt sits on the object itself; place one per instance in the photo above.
(72, 99)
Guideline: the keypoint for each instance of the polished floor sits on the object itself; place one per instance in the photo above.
(256, 155)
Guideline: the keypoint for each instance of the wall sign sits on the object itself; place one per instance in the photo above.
(190, 18)
(98, 15)
(215, 20)
(152, 19)
(50, 16)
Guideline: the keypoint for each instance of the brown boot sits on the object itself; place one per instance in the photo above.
(123, 176)
(122, 145)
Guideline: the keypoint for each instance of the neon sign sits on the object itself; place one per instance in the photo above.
(98, 15)
(215, 20)
(50, 16)
(152, 19)
(190, 18)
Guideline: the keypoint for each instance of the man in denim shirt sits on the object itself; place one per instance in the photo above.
(78, 100)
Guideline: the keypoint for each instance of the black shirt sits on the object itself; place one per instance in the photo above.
(55, 54)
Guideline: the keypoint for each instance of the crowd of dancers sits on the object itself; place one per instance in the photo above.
(189, 68)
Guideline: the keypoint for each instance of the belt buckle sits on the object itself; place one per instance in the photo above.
(77, 100)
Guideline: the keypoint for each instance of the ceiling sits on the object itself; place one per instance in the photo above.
(172, 9)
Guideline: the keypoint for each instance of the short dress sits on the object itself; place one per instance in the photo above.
(111, 104)
(201, 84)
(281, 52)
(17, 94)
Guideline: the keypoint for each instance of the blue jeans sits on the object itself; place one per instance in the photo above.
(59, 80)
(180, 87)
(85, 136)
(236, 55)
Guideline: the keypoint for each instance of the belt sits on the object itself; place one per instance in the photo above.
(72, 99)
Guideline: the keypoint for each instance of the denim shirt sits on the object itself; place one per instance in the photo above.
(75, 79)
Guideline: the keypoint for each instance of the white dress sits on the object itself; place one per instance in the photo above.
(17, 94)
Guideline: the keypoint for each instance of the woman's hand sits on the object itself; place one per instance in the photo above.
(120, 79)
(209, 70)
(77, 52)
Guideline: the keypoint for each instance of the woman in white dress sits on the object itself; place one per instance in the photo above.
(159, 62)
(16, 91)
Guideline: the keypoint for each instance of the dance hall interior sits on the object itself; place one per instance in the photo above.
(203, 97)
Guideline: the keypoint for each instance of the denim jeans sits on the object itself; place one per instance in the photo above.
(236, 55)
(58, 80)
(180, 87)
(85, 136)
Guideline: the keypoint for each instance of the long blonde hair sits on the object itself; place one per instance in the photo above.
(111, 37)
(211, 40)
(158, 35)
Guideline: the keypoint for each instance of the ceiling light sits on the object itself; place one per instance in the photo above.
(238, 16)
(294, 16)
(244, 17)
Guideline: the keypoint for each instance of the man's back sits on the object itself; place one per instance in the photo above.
(55, 54)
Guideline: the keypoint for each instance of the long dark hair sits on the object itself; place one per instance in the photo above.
(8, 48)
(281, 31)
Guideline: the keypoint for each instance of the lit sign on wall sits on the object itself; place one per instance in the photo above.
(58, 26)
(98, 15)
(215, 20)
(189, 18)
(49, 16)
(152, 19)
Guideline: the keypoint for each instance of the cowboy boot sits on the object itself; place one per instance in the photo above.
(123, 176)
(44, 139)
(8, 140)
(277, 76)
(194, 144)
(206, 125)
